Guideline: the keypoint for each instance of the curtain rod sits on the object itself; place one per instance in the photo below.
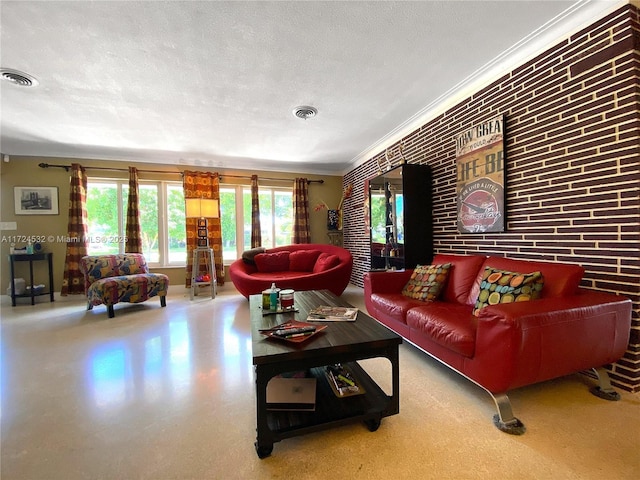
(113, 169)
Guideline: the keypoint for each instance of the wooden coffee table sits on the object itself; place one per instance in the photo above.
(340, 342)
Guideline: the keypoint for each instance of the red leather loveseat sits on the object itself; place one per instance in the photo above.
(507, 345)
(303, 266)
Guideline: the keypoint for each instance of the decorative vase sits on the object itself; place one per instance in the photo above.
(332, 219)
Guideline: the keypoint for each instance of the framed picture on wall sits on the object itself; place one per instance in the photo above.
(480, 169)
(36, 200)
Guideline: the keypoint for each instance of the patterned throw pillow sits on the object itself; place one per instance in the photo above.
(500, 286)
(426, 282)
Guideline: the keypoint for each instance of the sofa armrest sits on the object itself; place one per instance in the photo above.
(551, 337)
(242, 269)
(391, 281)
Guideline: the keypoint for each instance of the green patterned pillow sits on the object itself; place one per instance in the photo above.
(426, 282)
(500, 286)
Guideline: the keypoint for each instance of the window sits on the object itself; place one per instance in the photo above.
(104, 216)
(276, 218)
(161, 206)
(162, 219)
(229, 223)
(176, 233)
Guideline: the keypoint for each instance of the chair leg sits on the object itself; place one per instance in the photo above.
(604, 388)
(111, 312)
(505, 420)
(163, 301)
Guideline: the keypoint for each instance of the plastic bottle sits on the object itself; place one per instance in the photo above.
(273, 297)
(29, 247)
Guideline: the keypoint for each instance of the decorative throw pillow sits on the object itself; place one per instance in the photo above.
(303, 260)
(248, 256)
(272, 262)
(325, 261)
(426, 282)
(500, 286)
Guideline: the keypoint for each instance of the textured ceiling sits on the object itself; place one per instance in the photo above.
(215, 83)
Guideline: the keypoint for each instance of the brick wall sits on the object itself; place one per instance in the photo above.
(573, 166)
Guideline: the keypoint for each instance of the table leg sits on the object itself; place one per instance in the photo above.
(393, 356)
(13, 282)
(33, 298)
(263, 444)
(50, 261)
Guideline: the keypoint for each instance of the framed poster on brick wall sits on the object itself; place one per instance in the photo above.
(480, 163)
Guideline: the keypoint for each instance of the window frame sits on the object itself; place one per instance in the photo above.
(240, 190)
(162, 187)
(162, 207)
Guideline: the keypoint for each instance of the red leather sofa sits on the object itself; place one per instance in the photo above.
(303, 266)
(507, 345)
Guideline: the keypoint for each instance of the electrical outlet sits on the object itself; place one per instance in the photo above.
(8, 225)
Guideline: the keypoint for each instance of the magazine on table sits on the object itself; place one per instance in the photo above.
(326, 313)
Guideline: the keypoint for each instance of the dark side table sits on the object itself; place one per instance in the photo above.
(30, 257)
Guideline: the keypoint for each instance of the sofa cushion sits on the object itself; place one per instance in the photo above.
(272, 262)
(303, 260)
(394, 305)
(325, 261)
(561, 279)
(449, 324)
(464, 271)
(248, 256)
(267, 278)
(501, 286)
(134, 288)
(426, 282)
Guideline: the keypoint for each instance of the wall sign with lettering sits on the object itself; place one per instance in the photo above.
(480, 163)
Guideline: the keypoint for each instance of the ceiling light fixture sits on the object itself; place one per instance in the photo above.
(18, 78)
(305, 112)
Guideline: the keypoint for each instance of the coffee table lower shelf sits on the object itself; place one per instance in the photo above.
(330, 410)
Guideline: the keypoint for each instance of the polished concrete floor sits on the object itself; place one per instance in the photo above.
(167, 393)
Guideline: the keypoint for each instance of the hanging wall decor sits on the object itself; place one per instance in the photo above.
(36, 200)
(480, 166)
(333, 219)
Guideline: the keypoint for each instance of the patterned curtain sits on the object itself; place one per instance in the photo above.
(301, 232)
(256, 235)
(77, 230)
(134, 235)
(203, 185)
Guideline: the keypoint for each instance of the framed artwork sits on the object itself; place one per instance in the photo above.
(36, 200)
(480, 169)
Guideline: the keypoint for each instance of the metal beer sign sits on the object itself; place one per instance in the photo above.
(480, 180)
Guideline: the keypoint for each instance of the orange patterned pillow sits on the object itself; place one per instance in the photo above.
(426, 282)
(500, 286)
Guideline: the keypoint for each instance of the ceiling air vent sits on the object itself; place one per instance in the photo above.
(18, 78)
(305, 112)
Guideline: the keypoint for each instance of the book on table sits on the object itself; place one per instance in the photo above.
(326, 313)
(294, 391)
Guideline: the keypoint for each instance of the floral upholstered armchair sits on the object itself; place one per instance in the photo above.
(111, 279)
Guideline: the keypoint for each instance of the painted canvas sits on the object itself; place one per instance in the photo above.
(480, 166)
